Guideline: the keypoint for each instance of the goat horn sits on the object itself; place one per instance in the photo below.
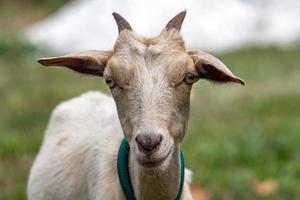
(121, 22)
(176, 21)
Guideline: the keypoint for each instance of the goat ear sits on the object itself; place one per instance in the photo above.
(88, 62)
(209, 67)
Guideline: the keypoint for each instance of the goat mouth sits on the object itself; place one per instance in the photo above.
(151, 163)
(148, 162)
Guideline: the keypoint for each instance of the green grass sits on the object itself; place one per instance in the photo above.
(237, 135)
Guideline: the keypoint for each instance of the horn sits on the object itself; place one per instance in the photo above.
(176, 21)
(121, 22)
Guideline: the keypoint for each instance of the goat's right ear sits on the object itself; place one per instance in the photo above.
(88, 62)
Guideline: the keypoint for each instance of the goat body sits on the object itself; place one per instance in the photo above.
(78, 157)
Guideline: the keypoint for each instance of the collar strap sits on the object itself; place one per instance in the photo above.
(123, 172)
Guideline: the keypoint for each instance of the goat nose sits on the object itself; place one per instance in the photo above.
(148, 142)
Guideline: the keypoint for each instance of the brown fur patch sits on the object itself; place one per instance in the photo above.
(149, 41)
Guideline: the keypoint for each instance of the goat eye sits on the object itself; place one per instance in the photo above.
(191, 78)
(110, 82)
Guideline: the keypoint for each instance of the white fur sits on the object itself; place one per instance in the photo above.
(78, 157)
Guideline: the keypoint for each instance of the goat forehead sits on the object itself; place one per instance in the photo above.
(131, 43)
(150, 57)
(157, 58)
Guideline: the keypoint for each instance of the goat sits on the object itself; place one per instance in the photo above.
(150, 80)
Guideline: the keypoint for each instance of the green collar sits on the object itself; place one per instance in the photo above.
(123, 172)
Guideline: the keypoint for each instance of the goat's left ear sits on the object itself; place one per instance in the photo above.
(209, 67)
(88, 62)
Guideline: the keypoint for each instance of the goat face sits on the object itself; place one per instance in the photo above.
(150, 80)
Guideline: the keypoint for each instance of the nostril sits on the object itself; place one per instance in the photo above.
(147, 142)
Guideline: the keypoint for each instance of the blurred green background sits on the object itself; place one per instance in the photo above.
(242, 143)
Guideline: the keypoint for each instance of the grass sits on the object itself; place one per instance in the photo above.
(238, 136)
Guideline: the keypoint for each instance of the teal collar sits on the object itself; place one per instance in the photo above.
(123, 172)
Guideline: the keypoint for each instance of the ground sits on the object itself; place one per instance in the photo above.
(242, 142)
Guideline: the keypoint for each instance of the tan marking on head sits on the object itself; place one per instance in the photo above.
(179, 65)
(149, 41)
(121, 70)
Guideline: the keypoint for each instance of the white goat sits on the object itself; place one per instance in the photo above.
(150, 81)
